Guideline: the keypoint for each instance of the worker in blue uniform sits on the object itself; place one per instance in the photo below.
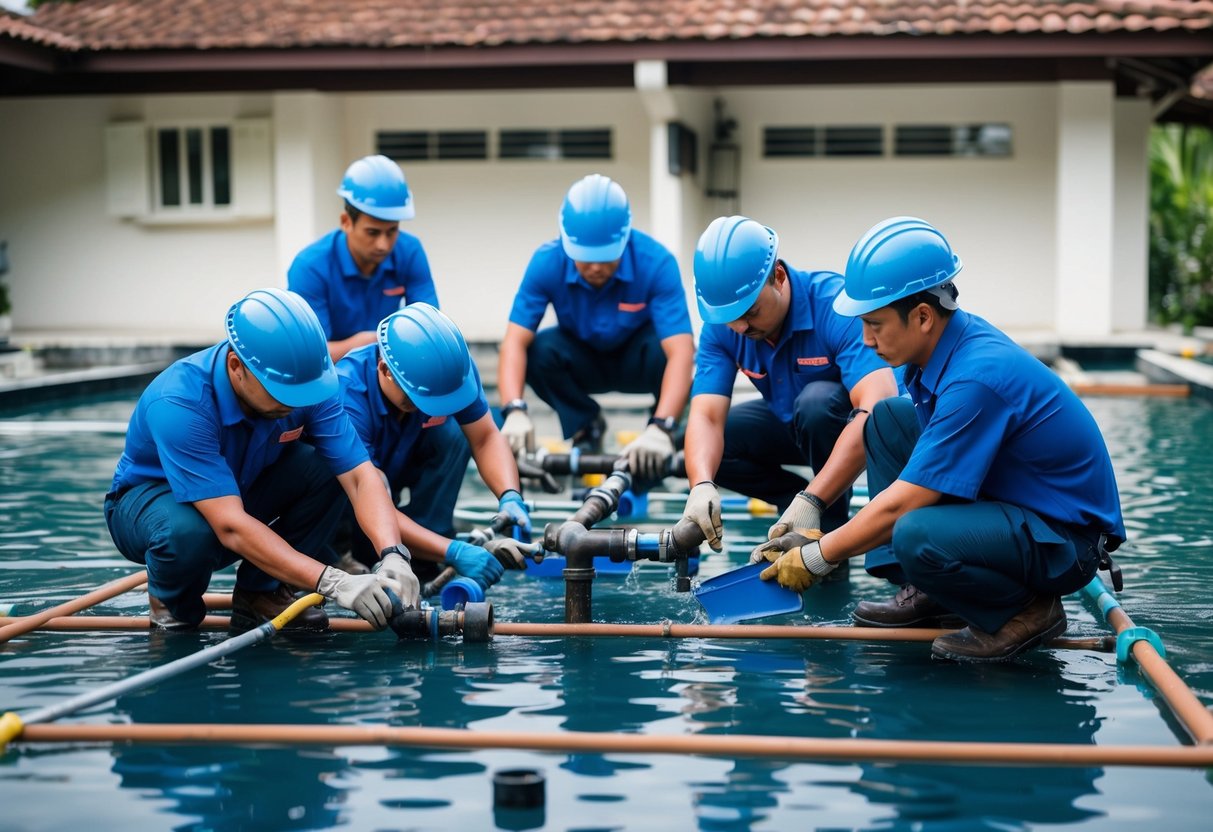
(993, 492)
(356, 276)
(215, 470)
(416, 376)
(621, 325)
(818, 382)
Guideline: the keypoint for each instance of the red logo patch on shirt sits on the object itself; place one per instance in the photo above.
(631, 307)
(291, 435)
(751, 373)
(433, 422)
(816, 361)
(394, 291)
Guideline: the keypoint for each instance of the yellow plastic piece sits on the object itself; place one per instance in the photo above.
(553, 445)
(758, 506)
(11, 727)
(1188, 352)
(626, 437)
(592, 480)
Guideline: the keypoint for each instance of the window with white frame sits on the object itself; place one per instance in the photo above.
(193, 167)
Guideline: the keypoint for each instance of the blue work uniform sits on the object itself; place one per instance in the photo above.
(348, 302)
(805, 378)
(1029, 490)
(406, 446)
(189, 440)
(606, 339)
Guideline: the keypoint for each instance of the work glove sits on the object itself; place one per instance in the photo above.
(703, 509)
(804, 512)
(509, 552)
(511, 511)
(648, 455)
(474, 563)
(364, 594)
(519, 431)
(796, 561)
(395, 565)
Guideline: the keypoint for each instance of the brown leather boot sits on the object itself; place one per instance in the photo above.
(1040, 621)
(162, 619)
(252, 609)
(910, 607)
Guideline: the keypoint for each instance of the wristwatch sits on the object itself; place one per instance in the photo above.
(397, 550)
(512, 405)
(666, 423)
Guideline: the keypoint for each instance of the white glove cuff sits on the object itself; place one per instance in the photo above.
(810, 556)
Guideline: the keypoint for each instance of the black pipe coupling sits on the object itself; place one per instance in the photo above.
(474, 621)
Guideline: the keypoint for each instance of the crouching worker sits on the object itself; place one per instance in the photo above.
(993, 492)
(214, 472)
(417, 375)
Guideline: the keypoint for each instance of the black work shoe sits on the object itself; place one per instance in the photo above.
(910, 607)
(162, 619)
(588, 440)
(252, 609)
(1042, 620)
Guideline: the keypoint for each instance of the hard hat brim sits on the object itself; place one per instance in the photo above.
(306, 394)
(730, 311)
(446, 404)
(850, 308)
(593, 254)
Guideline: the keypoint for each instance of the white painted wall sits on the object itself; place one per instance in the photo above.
(998, 213)
(76, 268)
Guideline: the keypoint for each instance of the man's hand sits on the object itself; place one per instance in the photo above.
(512, 507)
(394, 565)
(474, 562)
(364, 594)
(509, 552)
(648, 455)
(804, 512)
(703, 509)
(796, 561)
(519, 431)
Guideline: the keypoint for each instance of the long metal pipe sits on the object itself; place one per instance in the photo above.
(1104, 644)
(101, 593)
(736, 745)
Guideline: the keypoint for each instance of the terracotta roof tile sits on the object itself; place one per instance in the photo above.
(19, 28)
(240, 24)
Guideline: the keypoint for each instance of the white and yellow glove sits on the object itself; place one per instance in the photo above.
(796, 561)
(649, 454)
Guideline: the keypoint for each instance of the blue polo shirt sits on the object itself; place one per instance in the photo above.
(816, 344)
(646, 287)
(1000, 425)
(388, 435)
(346, 301)
(188, 429)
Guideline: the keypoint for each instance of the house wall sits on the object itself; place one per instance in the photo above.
(481, 220)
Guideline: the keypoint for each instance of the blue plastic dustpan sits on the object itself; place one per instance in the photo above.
(739, 595)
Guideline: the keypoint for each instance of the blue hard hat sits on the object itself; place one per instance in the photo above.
(595, 220)
(895, 259)
(429, 359)
(278, 337)
(733, 258)
(375, 186)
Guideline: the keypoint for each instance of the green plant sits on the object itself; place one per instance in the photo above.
(1181, 235)
(6, 305)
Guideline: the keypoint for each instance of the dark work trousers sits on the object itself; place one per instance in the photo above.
(433, 473)
(757, 444)
(298, 496)
(564, 371)
(984, 560)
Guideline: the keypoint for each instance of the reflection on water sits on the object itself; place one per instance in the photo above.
(54, 547)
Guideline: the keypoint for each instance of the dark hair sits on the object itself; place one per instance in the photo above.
(904, 305)
(352, 212)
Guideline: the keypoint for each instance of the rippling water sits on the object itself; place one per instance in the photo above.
(54, 547)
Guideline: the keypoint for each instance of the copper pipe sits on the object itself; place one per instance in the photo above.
(102, 593)
(737, 745)
(1190, 711)
(741, 631)
(1168, 390)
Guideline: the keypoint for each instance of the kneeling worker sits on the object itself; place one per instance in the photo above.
(993, 492)
(417, 375)
(214, 471)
